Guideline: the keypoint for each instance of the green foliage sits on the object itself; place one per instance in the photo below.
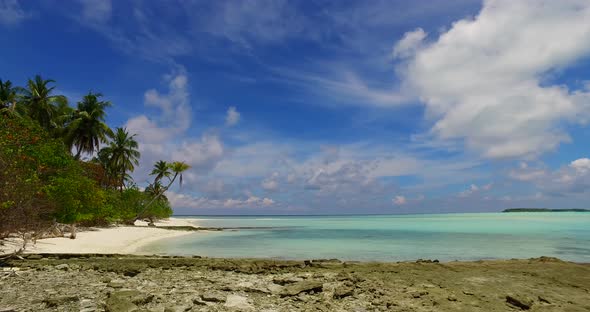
(42, 182)
(121, 155)
(77, 197)
(39, 102)
(87, 128)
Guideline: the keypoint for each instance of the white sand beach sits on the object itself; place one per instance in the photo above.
(119, 240)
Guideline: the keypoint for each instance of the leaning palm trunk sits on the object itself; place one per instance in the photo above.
(158, 195)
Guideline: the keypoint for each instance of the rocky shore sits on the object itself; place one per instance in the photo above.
(66, 282)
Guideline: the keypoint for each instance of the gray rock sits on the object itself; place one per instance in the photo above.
(343, 291)
(60, 300)
(127, 300)
(287, 280)
(116, 284)
(306, 287)
(238, 302)
(178, 308)
(274, 288)
(213, 296)
(63, 267)
(519, 301)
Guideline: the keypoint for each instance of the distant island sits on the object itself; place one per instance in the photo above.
(544, 210)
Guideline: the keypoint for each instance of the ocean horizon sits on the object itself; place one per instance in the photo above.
(407, 237)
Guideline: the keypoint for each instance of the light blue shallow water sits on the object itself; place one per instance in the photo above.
(445, 237)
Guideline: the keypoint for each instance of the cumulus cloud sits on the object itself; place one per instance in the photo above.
(399, 200)
(410, 42)
(484, 81)
(571, 179)
(232, 116)
(11, 13)
(166, 137)
(271, 183)
(191, 202)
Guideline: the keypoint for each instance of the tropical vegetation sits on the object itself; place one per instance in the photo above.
(64, 167)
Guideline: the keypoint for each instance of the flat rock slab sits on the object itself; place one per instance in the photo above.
(302, 287)
(238, 302)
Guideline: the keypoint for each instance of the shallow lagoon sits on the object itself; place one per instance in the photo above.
(445, 237)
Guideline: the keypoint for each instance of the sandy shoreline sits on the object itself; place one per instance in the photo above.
(114, 240)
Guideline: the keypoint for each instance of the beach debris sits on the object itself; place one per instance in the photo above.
(63, 267)
(302, 287)
(237, 302)
(520, 301)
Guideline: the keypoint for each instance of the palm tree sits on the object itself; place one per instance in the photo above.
(121, 154)
(155, 189)
(8, 95)
(178, 168)
(88, 128)
(39, 103)
(161, 170)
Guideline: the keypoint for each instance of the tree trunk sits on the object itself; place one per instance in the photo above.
(156, 197)
(78, 154)
(73, 231)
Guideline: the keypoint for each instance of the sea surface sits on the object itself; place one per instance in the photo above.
(445, 237)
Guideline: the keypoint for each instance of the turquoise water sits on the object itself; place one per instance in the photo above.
(445, 237)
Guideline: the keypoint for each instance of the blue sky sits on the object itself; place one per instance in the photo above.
(321, 107)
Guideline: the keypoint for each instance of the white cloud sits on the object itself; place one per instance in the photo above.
(473, 189)
(201, 154)
(232, 117)
(271, 183)
(11, 13)
(581, 165)
(484, 81)
(187, 201)
(248, 22)
(409, 44)
(399, 200)
(166, 137)
(96, 11)
(343, 85)
(567, 180)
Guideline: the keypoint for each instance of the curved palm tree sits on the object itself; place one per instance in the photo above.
(39, 103)
(155, 189)
(161, 170)
(87, 128)
(122, 155)
(178, 168)
(8, 95)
